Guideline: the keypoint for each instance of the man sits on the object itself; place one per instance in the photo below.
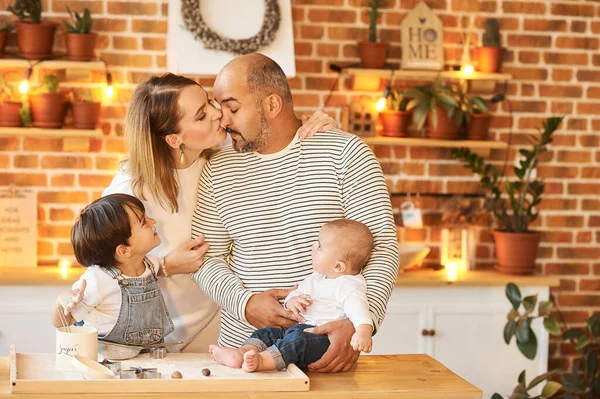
(269, 195)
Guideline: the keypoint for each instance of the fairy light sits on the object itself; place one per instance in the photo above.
(109, 91)
(24, 86)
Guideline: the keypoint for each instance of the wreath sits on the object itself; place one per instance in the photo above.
(193, 21)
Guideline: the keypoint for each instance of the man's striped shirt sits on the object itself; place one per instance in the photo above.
(271, 208)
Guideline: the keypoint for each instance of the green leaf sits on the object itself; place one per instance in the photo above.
(582, 342)
(496, 396)
(572, 334)
(552, 326)
(591, 364)
(544, 308)
(528, 347)
(594, 324)
(509, 330)
(541, 378)
(514, 295)
(529, 303)
(521, 378)
(513, 314)
(550, 389)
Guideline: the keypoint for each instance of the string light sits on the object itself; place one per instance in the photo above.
(109, 91)
(24, 86)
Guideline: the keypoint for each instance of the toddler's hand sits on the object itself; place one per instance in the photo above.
(298, 304)
(362, 339)
(68, 300)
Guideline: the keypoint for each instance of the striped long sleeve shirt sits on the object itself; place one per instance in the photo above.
(271, 208)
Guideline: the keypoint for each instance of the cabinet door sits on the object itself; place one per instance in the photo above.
(469, 340)
(25, 318)
(400, 331)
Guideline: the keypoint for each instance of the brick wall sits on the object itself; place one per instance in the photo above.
(552, 53)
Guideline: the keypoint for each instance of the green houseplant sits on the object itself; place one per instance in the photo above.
(48, 104)
(477, 117)
(583, 380)
(438, 105)
(373, 53)
(490, 54)
(80, 40)
(9, 107)
(86, 111)
(516, 245)
(396, 115)
(35, 37)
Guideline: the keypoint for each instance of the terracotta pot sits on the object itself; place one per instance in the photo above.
(372, 55)
(447, 129)
(3, 36)
(478, 127)
(35, 40)
(85, 115)
(394, 123)
(489, 58)
(81, 46)
(516, 252)
(9, 114)
(48, 110)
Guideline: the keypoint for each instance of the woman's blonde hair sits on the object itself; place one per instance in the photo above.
(152, 115)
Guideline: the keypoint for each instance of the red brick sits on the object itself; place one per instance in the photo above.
(62, 215)
(131, 8)
(545, 25)
(577, 124)
(9, 143)
(560, 91)
(578, 26)
(418, 186)
(529, 40)
(557, 236)
(584, 237)
(127, 60)
(89, 180)
(557, 172)
(125, 43)
(63, 197)
(154, 43)
(312, 32)
(566, 58)
(62, 180)
(561, 107)
(37, 145)
(347, 33)
(590, 205)
(576, 10)
(110, 25)
(579, 253)
(448, 170)
(592, 172)
(522, 7)
(564, 221)
(557, 204)
(308, 66)
(148, 26)
(583, 188)
(567, 268)
(66, 162)
(594, 221)
(574, 156)
(332, 16)
(328, 50)
(26, 161)
(413, 169)
(579, 300)
(527, 106)
(579, 43)
(593, 92)
(23, 179)
(562, 75)
(527, 73)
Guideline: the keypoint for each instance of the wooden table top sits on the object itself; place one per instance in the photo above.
(392, 376)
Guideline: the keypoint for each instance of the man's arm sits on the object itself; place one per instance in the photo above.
(366, 199)
(215, 277)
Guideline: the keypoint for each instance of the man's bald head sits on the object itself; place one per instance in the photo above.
(263, 76)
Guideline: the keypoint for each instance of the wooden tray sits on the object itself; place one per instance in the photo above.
(36, 373)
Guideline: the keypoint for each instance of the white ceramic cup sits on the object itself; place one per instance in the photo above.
(80, 341)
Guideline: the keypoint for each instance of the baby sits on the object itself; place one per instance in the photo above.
(118, 294)
(335, 290)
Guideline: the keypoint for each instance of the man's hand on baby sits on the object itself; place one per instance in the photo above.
(187, 257)
(339, 356)
(317, 122)
(362, 339)
(69, 299)
(298, 305)
(264, 310)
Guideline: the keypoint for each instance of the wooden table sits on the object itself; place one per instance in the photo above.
(395, 376)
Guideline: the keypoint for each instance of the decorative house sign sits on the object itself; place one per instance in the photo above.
(422, 39)
(18, 228)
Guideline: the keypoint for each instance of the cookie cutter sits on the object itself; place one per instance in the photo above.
(159, 352)
(140, 373)
(115, 367)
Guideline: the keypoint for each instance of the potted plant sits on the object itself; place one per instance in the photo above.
(80, 41)
(477, 118)
(9, 108)
(34, 37)
(396, 116)
(86, 111)
(583, 380)
(490, 54)
(4, 29)
(48, 105)
(373, 53)
(438, 104)
(516, 245)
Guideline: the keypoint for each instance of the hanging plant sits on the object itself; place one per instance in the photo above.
(193, 22)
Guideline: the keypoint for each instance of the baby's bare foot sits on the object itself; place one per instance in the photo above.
(252, 361)
(230, 357)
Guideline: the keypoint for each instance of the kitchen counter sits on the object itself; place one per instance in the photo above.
(393, 376)
(52, 275)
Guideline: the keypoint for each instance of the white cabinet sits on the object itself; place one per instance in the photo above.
(25, 318)
(462, 328)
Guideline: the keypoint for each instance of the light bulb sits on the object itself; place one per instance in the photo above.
(109, 91)
(381, 104)
(24, 86)
(467, 70)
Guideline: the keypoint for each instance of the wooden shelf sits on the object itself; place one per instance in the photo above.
(418, 142)
(51, 64)
(426, 75)
(38, 132)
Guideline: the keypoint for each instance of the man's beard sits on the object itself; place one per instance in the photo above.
(261, 140)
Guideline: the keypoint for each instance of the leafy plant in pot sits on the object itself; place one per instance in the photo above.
(395, 117)
(81, 42)
(490, 54)
(373, 53)
(35, 37)
(9, 108)
(477, 117)
(86, 111)
(438, 104)
(4, 30)
(516, 245)
(48, 105)
(583, 380)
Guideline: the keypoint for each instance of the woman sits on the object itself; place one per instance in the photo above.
(171, 126)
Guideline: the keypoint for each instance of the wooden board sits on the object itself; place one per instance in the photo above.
(35, 373)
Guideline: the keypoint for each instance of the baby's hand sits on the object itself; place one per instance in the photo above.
(298, 304)
(68, 300)
(362, 339)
